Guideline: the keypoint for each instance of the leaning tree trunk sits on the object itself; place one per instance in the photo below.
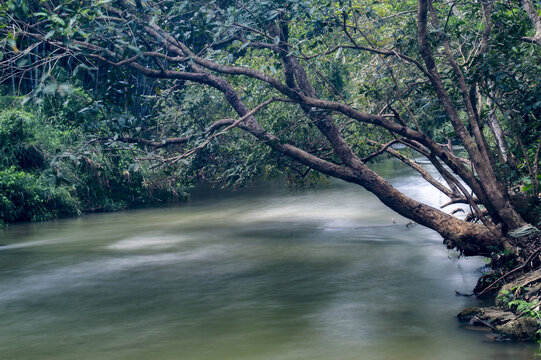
(470, 239)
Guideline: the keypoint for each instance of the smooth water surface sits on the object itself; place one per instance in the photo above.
(256, 274)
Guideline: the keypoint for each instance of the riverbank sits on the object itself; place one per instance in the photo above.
(514, 285)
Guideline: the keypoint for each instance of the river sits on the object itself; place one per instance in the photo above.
(259, 274)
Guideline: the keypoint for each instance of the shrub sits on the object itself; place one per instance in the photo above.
(15, 130)
(26, 197)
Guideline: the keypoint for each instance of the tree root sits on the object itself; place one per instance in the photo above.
(522, 266)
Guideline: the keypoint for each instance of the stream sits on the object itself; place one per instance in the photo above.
(260, 274)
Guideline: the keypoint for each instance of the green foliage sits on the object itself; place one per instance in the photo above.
(15, 130)
(522, 307)
(26, 193)
(51, 167)
(27, 197)
(525, 308)
(505, 296)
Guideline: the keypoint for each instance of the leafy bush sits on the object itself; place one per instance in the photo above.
(50, 169)
(26, 197)
(15, 131)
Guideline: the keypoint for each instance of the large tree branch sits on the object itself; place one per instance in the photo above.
(447, 225)
(234, 124)
(412, 164)
(157, 144)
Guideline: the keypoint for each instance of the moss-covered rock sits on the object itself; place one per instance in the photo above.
(521, 329)
(491, 316)
(517, 314)
(468, 313)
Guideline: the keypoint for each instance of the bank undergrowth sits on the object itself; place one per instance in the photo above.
(51, 168)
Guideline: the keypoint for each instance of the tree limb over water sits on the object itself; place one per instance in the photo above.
(330, 65)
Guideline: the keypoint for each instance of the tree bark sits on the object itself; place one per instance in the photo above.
(497, 131)
(529, 7)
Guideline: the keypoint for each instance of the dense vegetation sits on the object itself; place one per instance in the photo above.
(138, 97)
(52, 165)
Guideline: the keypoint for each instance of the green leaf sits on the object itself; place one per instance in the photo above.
(276, 40)
(136, 50)
(27, 50)
(58, 20)
(22, 62)
(49, 34)
(50, 88)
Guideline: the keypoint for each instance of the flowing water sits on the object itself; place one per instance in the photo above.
(256, 274)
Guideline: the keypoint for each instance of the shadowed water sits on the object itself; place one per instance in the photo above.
(256, 274)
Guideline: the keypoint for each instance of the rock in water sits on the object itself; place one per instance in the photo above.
(522, 329)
